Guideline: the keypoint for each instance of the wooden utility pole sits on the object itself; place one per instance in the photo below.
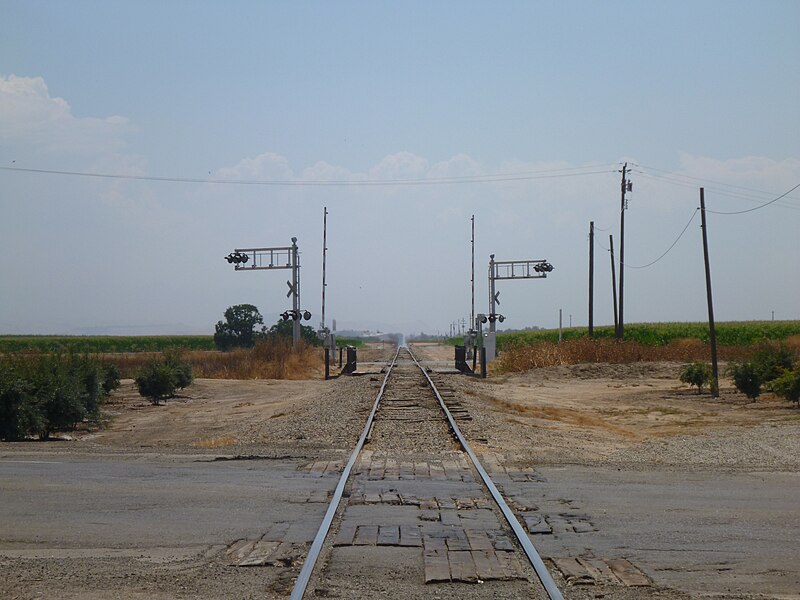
(613, 284)
(591, 279)
(621, 322)
(712, 331)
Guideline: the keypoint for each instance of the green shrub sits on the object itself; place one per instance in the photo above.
(768, 364)
(173, 358)
(747, 378)
(19, 413)
(156, 381)
(159, 379)
(771, 362)
(697, 374)
(787, 385)
(41, 395)
(111, 376)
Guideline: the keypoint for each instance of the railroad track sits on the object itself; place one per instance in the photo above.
(414, 483)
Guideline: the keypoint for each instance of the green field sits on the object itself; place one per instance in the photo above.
(103, 343)
(730, 333)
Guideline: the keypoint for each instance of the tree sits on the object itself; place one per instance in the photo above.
(156, 381)
(286, 329)
(787, 385)
(49, 393)
(767, 365)
(238, 328)
(746, 378)
(698, 373)
(159, 379)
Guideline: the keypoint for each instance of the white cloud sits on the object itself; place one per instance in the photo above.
(30, 117)
(402, 165)
(266, 166)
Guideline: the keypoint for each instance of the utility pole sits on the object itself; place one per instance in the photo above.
(324, 259)
(472, 311)
(294, 291)
(712, 331)
(626, 186)
(591, 279)
(613, 284)
(493, 299)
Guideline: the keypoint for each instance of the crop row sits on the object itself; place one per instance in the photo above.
(729, 333)
(104, 344)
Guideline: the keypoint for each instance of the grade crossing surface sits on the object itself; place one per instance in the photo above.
(415, 507)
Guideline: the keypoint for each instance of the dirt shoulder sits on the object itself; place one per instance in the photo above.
(634, 413)
(587, 414)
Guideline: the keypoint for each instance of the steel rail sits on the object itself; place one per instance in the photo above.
(316, 546)
(533, 556)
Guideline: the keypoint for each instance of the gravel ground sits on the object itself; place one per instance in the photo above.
(636, 417)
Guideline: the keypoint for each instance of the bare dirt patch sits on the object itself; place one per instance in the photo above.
(584, 413)
(628, 412)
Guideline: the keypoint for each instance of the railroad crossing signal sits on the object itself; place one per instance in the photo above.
(237, 257)
(280, 257)
(295, 315)
(508, 269)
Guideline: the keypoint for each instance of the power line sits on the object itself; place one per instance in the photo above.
(667, 251)
(741, 212)
(497, 178)
(721, 192)
(702, 180)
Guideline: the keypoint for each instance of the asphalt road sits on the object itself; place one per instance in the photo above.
(699, 532)
(117, 502)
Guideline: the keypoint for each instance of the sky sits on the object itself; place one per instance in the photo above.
(141, 142)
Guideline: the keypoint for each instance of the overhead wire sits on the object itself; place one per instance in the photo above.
(667, 251)
(741, 212)
(463, 179)
(723, 192)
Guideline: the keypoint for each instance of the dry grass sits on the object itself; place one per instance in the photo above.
(547, 354)
(270, 359)
(563, 415)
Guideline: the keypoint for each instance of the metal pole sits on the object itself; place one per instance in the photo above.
(613, 283)
(712, 331)
(296, 294)
(324, 259)
(472, 312)
(492, 299)
(591, 279)
(621, 321)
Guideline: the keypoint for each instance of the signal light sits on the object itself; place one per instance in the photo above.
(285, 316)
(237, 258)
(307, 316)
(544, 267)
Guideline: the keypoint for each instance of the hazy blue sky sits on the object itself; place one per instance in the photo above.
(533, 105)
